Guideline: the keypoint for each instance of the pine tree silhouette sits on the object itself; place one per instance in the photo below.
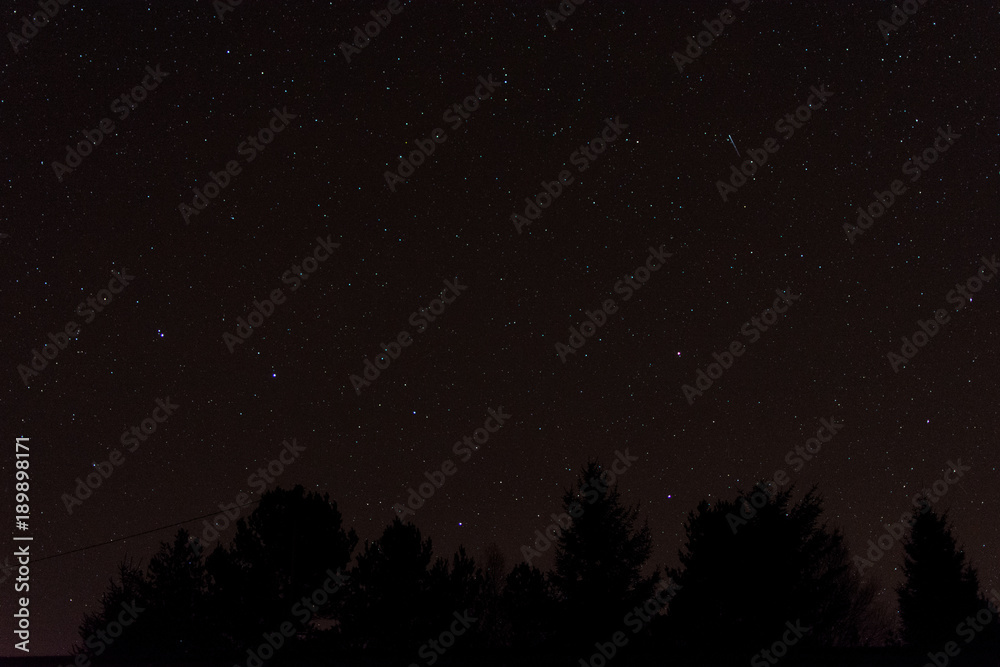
(599, 559)
(940, 588)
(389, 593)
(280, 553)
(130, 592)
(747, 570)
(529, 605)
(496, 625)
(177, 601)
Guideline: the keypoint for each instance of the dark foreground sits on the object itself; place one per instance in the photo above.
(887, 657)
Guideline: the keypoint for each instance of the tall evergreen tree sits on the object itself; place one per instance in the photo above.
(126, 599)
(495, 624)
(177, 602)
(940, 589)
(280, 553)
(457, 587)
(528, 602)
(388, 594)
(600, 557)
(750, 569)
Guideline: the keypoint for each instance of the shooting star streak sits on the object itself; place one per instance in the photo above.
(734, 144)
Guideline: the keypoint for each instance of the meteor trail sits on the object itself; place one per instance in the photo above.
(734, 144)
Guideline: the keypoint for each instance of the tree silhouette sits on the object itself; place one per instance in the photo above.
(129, 594)
(177, 599)
(528, 602)
(280, 553)
(388, 593)
(748, 574)
(747, 569)
(495, 623)
(940, 588)
(600, 556)
(457, 587)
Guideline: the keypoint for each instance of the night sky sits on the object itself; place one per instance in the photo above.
(516, 288)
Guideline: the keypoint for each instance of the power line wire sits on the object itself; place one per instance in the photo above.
(127, 537)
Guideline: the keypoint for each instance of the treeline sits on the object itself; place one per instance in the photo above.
(294, 584)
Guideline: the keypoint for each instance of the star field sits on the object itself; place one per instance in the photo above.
(495, 345)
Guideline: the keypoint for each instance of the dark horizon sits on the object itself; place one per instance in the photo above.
(187, 605)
